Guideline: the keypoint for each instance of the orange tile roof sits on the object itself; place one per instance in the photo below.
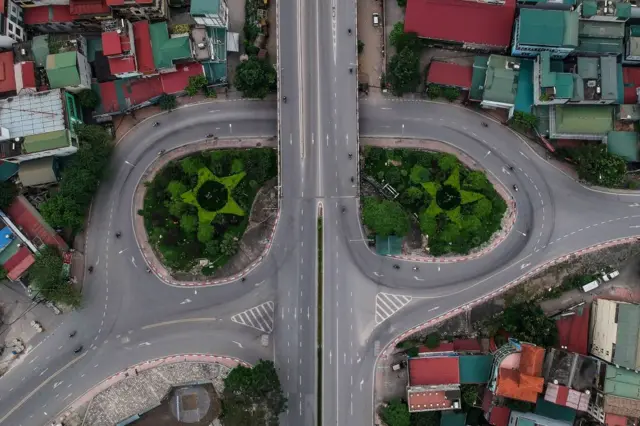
(428, 400)
(531, 360)
(514, 384)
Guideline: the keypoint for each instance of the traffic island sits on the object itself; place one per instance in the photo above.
(425, 200)
(207, 211)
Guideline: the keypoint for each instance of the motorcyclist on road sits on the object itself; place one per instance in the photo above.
(156, 124)
(90, 268)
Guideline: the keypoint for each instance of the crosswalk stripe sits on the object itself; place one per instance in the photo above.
(259, 317)
(388, 304)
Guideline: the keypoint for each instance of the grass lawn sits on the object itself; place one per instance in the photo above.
(456, 207)
(198, 207)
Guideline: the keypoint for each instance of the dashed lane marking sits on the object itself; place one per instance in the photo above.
(388, 304)
(259, 317)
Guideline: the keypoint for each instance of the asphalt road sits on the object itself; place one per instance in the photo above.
(129, 316)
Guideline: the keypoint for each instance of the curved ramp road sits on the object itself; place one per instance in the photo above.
(129, 316)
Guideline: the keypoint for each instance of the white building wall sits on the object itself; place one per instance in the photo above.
(604, 329)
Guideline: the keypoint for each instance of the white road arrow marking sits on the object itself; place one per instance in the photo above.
(330, 357)
(524, 155)
(185, 301)
(378, 275)
(634, 226)
(56, 384)
(434, 309)
(230, 128)
(634, 205)
(133, 261)
(361, 383)
(123, 250)
(418, 279)
(144, 344)
(524, 265)
(132, 165)
(237, 343)
(487, 154)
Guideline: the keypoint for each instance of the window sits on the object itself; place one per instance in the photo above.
(19, 31)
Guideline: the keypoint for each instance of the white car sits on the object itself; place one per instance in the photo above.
(376, 19)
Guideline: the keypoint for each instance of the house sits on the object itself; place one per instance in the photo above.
(632, 45)
(118, 45)
(434, 383)
(475, 369)
(39, 172)
(32, 227)
(623, 144)
(450, 75)
(539, 30)
(580, 122)
(60, 19)
(69, 70)
(140, 9)
(621, 392)
(502, 82)
(631, 83)
(210, 13)
(606, 11)
(11, 24)
(168, 51)
(573, 330)
(471, 25)
(451, 418)
(518, 418)
(7, 74)
(600, 37)
(516, 371)
(25, 75)
(592, 81)
(36, 125)
(614, 332)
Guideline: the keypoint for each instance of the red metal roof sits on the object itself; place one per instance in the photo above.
(631, 79)
(176, 81)
(462, 21)
(442, 347)
(7, 74)
(448, 74)
(573, 331)
(144, 54)
(567, 397)
(499, 416)
(434, 371)
(18, 257)
(427, 400)
(88, 7)
(28, 72)
(46, 14)
(121, 2)
(17, 271)
(122, 65)
(615, 420)
(32, 224)
(467, 345)
(111, 43)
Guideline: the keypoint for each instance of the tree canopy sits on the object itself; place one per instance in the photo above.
(396, 413)
(89, 99)
(527, 322)
(48, 279)
(253, 396)
(167, 102)
(80, 179)
(599, 167)
(8, 191)
(401, 40)
(403, 72)
(255, 78)
(385, 217)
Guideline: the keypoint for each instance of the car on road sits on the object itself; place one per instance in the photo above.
(376, 19)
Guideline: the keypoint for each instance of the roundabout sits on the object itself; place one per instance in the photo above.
(130, 316)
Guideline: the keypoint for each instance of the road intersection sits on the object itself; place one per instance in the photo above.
(129, 316)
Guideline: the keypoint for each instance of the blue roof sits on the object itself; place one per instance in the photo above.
(6, 236)
(524, 95)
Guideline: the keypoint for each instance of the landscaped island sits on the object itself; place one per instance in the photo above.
(197, 209)
(413, 193)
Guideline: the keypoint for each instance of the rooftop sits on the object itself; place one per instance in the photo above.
(450, 418)
(478, 77)
(204, 7)
(144, 53)
(531, 360)
(7, 75)
(630, 112)
(167, 50)
(626, 353)
(122, 2)
(571, 369)
(25, 74)
(37, 172)
(25, 216)
(434, 371)
(628, 407)
(583, 119)
(631, 79)
(33, 113)
(555, 411)
(513, 384)
(564, 396)
(89, 7)
(475, 368)
(621, 382)
(625, 145)
(47, 14)
(461, 21)
(573, 330)
(62, 70)
(499, 416)
(548, 27)
(602, 8)
(501, 79)
(450, 74)
(432, 398)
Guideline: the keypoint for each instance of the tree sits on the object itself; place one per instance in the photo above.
(451, 93)
(403, 73)
(528, 323)
(229, 245)
(433, 340)
(401, 40)
(89, 99)
(385, 217)
(48, 279)
(425, 418)
(205, 232)
(255, 78)
(360, 47)
(176, 188)
(447, 162)
(196, 83)
(253, 396)
(524, 121)
(599, 167)
(469, 395)
(8, 191)
(434, 91)
(167, 102)
(396, 413)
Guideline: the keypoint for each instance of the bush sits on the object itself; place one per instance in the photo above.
(433, 340)
(434, 91)
(528, 323)
(451, 93)
(255, 78)
(384, 217)
(48, 279)
(89, 99)
(403, 72)
(599, 167)
(167, 102)
(396, 413)
(8, 192)
(196, 83)
(360, 47)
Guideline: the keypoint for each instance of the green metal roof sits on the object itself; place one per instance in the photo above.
(609, 78)
(622, 382)
(204, 7)
(626, 112)
(625, 145)
(40, 49)
(623, 10)
(588, 67)
(478, 77)
(634, 30)
(219, 38)
(46, 141)
(62, 70)
(9, 251)
(452, 418)
(541, 27)
(600, 45)
(165, 49)
(589, 8)
(93, 45)
(390, 245)
(609, 29)
(571, 20)
(524, 94)
(547, 78)
(564, 85)
(216, 72)
(542, 112)
(554, 411)
(475, 369)
(627, 335)
(501, 82)
(581, 119)
(7, 169)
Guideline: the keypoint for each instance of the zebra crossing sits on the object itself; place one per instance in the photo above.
(388, 304)
(259, 317)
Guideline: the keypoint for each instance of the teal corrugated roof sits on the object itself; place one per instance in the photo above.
(7, 169)
(622, 382)
(524, 95)
(451, 418)
(627, 335)
(624, 144)
(478, 77)
(204, 7)
(475, 369)
(541, 27)
(555, 411)
(386, 246)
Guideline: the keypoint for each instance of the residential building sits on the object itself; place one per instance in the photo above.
(539, 30)
(27, 4)
(614, 332)
(140, 9)
(11, 24)
(516, 371)
(450, 75)
(119, 47)
(32, 227)
(168, 51)
(596, 37)
(36, 125)
(60, 19)
(502, 82)
(623, 144)
(69, 70)
(434, 383)
(573, 328)
(7, 74)
(631, 84)
(591, 81)
(518, 418)
(25, 75)
(621, 392)
(451, 418)
(210, 13)
(15, 256)
(471, 25)
(475, 369)
(606, 10)
(632, 45)
(583, 122)
(39, 172)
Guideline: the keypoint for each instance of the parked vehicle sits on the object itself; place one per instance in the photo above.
(37, 326)
(606, 277)
(399, 366)
(376, 19)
